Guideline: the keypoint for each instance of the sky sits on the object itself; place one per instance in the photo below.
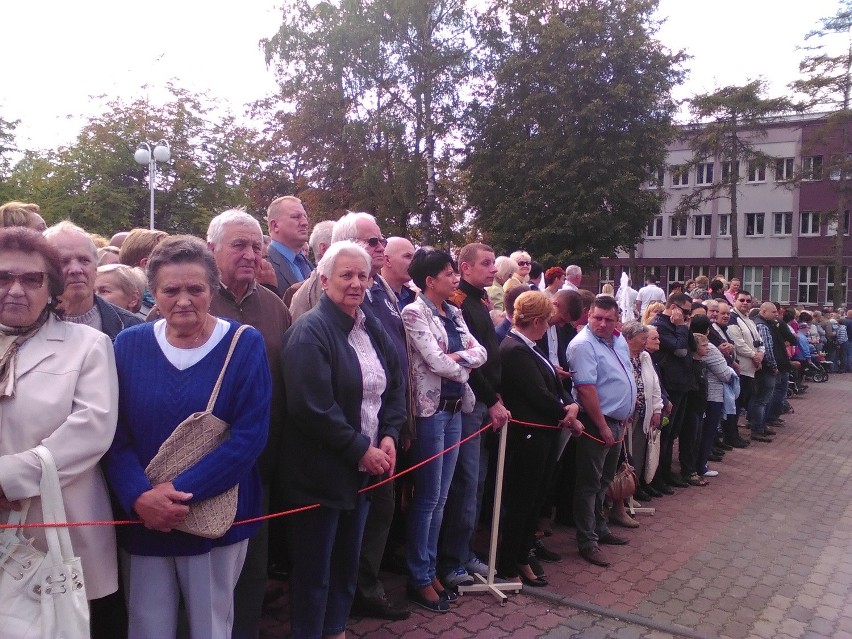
(57, 54)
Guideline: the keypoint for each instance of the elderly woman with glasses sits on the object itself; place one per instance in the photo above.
(522, 276)
(345, 406)
(58, 389)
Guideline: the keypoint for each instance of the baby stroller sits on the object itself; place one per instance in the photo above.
(816, 368)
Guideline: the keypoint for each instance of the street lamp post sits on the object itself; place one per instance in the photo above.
(144, 155)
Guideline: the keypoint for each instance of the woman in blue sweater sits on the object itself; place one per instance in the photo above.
(167, 370)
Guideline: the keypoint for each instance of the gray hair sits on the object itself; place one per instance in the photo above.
(130, 279)
(182, 249)
(346, 228)
(572, 270)
(632, 329)
(231, 216)
(343, 247)
(711, 304)
(321, 235)
(67, 226)
(506, 267)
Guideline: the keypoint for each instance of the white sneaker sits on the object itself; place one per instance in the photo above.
(711, 473)
(458, 577)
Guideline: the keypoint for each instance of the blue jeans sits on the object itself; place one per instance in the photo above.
(764, 384)
(324, 545)
(776, 404)
(709, 426)
(431, 485)
(462, 507)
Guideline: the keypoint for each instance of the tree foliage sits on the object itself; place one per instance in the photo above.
(827, 82)
(369, 96)
(581, 109)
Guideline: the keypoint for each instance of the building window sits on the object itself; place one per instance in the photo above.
(657, 178)
(754, 224)
(779, 284)
(700, 270)
(829, 285)
(678, 226)
(783, 169)
(752, 281)
(676, 274)
(655, 227)
(680, 175)
(831, 226)
(783, 224)
(724, 271)
(808, 284)
(809, 223)
(756, 172)
(840, 166)
(812, 167)
(701, 225)
(704, 173)
(727, 175)
(724, 225)
(605, 276)
(652, 271)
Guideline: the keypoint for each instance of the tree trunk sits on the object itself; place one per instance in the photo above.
(734, 181)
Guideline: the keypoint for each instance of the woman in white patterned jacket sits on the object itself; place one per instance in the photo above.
(441, 353)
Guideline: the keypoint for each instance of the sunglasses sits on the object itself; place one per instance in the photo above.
(524, 263)
(686, 312)
(373, 242)
(32, 281)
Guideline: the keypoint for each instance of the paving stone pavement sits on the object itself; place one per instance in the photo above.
(764, 551)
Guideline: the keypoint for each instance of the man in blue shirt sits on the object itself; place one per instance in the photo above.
(288, 228)
(605, 388)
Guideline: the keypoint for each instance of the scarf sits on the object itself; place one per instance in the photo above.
(11, 339)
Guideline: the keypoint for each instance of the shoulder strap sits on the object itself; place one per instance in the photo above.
(216, 388)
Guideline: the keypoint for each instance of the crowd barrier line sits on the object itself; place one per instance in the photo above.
(293, 511)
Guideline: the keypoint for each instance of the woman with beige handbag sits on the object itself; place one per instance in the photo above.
(193, 419)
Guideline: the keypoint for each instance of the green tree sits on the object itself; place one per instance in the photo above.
(581, 108)
(728, 125)
(826, 82)
(7, 150)
(369, 95)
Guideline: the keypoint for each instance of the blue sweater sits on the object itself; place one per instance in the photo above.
(154, 397)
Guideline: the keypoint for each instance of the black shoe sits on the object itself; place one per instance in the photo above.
(652, 490)
(278, 572)
(761, 437)
(714, 457)
(721, 445)
(677, 482)
(778, 423)
(543, 554)
(662, 487)
(533, 563)
(379, 608)
(538, 582)
(642, 495)
(612, 540)
(770, 432)
(415, 597)
(739, 442)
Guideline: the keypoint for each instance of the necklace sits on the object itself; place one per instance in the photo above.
(200, 333)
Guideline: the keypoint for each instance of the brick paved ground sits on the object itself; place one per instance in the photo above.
(764, 551)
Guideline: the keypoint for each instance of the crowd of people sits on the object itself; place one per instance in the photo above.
(374, 358)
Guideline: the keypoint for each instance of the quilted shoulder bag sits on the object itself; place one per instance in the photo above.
(42, 595)
(192, 439)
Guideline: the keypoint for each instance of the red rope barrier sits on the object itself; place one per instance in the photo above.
(293, 511)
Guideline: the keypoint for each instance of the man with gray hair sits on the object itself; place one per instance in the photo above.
(304, 295)
(573, 277)
(79, 259)
(236, 240)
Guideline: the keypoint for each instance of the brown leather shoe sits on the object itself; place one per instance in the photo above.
(612, 540)
(623, 519)
(594, 555)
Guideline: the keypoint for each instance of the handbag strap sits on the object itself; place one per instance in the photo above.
(218, 385)
(53, 508)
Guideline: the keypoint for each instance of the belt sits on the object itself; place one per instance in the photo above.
(452, 405)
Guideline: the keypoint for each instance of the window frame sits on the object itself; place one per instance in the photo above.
(750, 284)
(683, 227)
(829, 285)
(756, 172)
(777, 286)
(758, 217)
(787, 217)
(680, 176)
(657, 223)
(706, 222)
(811, 284)
(784, 169)
(727, 230)
(812, 168)
(814, 217)
(704, 173)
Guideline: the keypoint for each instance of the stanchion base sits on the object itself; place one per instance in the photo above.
(633, 507)
(495, 589)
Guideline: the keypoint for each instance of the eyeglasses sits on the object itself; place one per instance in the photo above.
(32, 281)
(686, 311)
(524, 263)
(373, 242)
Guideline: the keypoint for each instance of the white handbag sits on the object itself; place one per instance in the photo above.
(652, 455)
(42, 595)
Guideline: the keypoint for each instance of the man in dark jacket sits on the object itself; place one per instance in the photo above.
(781, 337)
(456, 560)
(674, 360)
